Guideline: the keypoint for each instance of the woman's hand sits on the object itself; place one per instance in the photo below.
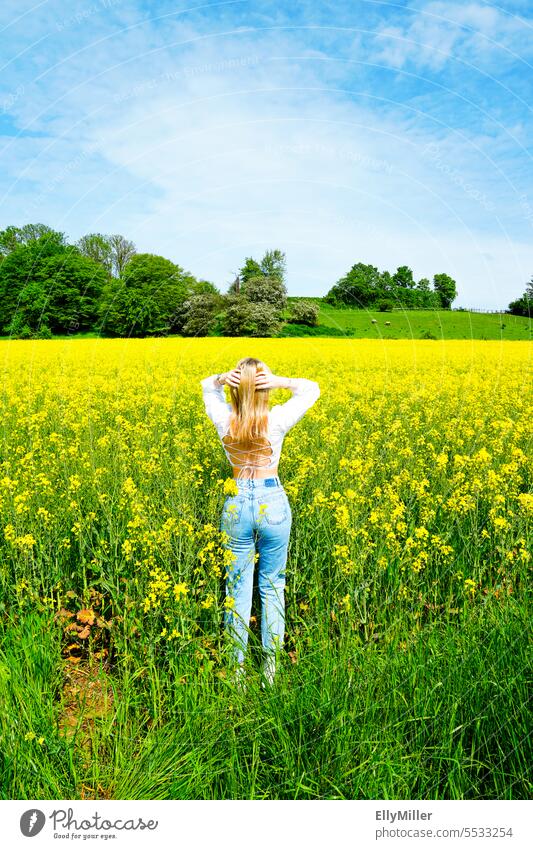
(232, 378)
(265, 380)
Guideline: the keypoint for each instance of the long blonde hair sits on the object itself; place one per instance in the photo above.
(249, 418)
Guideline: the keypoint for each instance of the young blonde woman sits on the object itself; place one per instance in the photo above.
(259, 514)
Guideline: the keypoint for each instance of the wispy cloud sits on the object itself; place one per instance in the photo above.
(215, 132)
(432, 34)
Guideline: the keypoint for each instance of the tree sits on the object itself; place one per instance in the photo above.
(245, 318)
(423, 284)
(403, 277)
(9, 240)
(201, 313)
(387, 284)
(17, 272)
(358, 288)
(262, 283)
(13, 237)
(203, 287)
(304, 312)
(122, 250)
(446, 289)
(189, 306)
(266, 290)
(72, 284)
(524, 304)
(113, 252)
(97, 247)
(46, 284)
(147, 300)
(235, 287)
(251, 268)
(273, 265)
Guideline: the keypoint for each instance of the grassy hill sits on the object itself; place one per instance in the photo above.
(413, 324)
(403, 324)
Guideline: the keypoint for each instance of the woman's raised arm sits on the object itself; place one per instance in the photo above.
(305, 393)
(215, 403)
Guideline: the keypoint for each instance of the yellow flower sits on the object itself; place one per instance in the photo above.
(208, 602)
(180, 590)
(389, 478)
(526, 502)
(470, 586)
(129, 487)
(127, 549)
(9, 532)
(501, 523)
(230, 487)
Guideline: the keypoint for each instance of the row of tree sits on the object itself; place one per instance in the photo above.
(524, 304)
(366, 286)
(101, 284)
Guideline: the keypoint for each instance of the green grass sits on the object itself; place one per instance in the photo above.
(403, 324)
(447, 718)
(414, 324)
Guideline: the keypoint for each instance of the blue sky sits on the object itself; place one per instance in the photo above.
(388, 133)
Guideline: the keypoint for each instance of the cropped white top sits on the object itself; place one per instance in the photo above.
(264, 452)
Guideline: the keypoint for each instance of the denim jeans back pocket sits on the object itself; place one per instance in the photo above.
(277, 508)
(232, 511)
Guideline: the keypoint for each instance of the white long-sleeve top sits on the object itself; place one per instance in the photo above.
(281, 418)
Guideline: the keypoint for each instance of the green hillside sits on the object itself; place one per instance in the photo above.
(413, 324)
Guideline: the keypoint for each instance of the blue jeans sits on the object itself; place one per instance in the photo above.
(259, 515)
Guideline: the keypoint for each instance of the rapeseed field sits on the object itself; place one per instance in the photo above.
(405, 668)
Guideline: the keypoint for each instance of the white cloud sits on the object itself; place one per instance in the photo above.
(437, 32)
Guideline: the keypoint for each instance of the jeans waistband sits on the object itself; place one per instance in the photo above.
(247, 484)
